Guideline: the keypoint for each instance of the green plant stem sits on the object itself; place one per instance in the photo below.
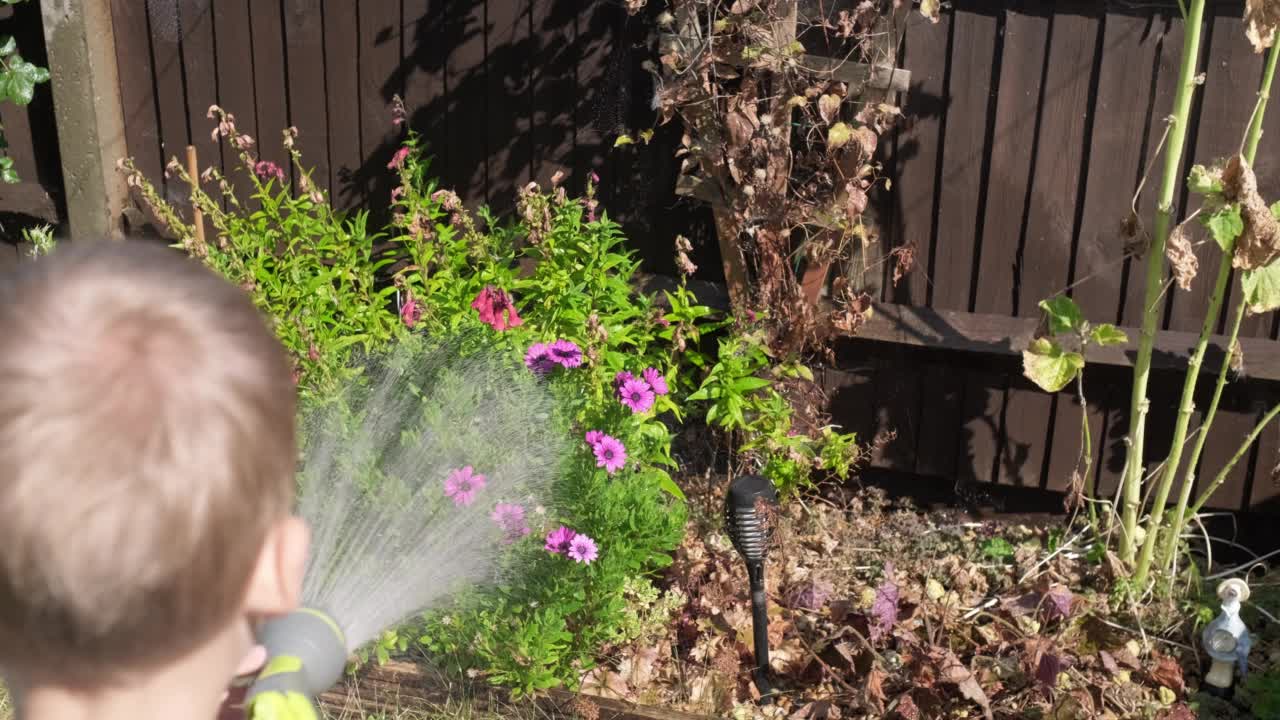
(1132, 492)
(1221, 477)
(1180, 513)
(1264, 96)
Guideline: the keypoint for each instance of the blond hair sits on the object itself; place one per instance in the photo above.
(146, 447)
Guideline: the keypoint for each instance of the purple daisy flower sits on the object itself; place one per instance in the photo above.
(637, 395)
(462, 485)
(559, 540)
(566, 353)
(593, 437)
(508, 516)
(610, 454)
(655, 380)
(621, 379)
(538, 358)
(583, 549)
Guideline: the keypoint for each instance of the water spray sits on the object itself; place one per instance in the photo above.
(750, 528)
(415, 483)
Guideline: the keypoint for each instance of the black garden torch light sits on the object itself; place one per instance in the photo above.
(748, 517)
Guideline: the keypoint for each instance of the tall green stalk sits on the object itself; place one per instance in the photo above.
(1252, 138)
(1132, 497)
(1221, 477)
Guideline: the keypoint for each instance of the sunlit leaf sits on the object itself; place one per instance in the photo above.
(1047, 365)
(1262, 288)
(1108, 334)
(1064, 314)
(623, 140)
(1225, 224)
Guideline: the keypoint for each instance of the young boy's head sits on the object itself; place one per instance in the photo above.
(147, 458)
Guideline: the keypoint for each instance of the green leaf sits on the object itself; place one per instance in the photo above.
(623, 140)
(1203, 182)
(1262, 288)
(1064, 314)
(997, 548)
(8, 46)
(839, 135)
(748, 384)
(7, 173)
(1225, 224)
(668, 485)
(1108, 334)
(1047, 365)
(1275, 210)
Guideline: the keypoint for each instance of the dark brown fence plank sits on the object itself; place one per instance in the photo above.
(269, 80)
(594, 32)
(235, 86)
(200, 67)
(165, 35)
(965, 145)
(380, 30)
(1230, 427)
(508, 86)
(554, 90)
(1264, 494)
(897, 408)
(982, 439)
(133, 53)
(940, 419)
(426, 51)
(342, 91)
(466, 80)
(919, 151)
(1232, 74)
(305, 58)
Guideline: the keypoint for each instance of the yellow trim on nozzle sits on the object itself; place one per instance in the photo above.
(333, 624)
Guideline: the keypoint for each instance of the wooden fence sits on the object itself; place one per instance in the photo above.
(1029, 128)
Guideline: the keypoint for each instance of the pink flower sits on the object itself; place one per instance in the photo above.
(397, 160)
(595, 178)
(610, 454)
(566, 353)
(511, 519)
(655, 380)
(496, 309)
(621, 379)
(462, 485)
(410, 312)
(593, 438)
(265, 169)
(583, 549)
(397, 193)
(637, 395)
(558, 540)
(538, 359)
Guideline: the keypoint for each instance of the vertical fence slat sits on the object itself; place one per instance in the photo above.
(235, 87)
(554, 90)
(941, 400)
(166, 29)
(304, 56)
(269, 80)
(507, 86)
(593, 37)
(379, 57)
(426, 51)
(467, 100)
(1264, 495)
(342, 93)
(199, 59)
(919, 151)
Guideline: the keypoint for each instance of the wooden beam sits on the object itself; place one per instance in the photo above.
(1003, 335)
(881, 77)
(86, 97)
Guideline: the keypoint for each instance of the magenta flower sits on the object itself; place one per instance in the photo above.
(265, 169)
(397, 160)
(594, 437)
(462, 485)
(566, 353)
(511, 519)
(410, 312)
(538, 358)
(397, 192)
(558, 540)
(496, 308)
(621, 379)
(583, 549)
(637, 395)
(610, 454)
(655, 380)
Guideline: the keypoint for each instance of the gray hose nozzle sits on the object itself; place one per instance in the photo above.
(306, 654)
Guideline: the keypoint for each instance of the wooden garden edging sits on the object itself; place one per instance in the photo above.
(400, 685)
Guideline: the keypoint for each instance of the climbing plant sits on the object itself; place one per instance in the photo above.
(18, 81)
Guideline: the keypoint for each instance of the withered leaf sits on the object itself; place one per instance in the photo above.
(1168, 672)
(1048, 669)
(1136, 238)
(1108, 662)
(929, 9)
(904, 260)
(855, 202)
(1259, 244)
(829, 107)
(873, 693)
(907, 708)
(1182, 258)
(867, 140)
(1237, 358)
(1261, 17)
(956, 673)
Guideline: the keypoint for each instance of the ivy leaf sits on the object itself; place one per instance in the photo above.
(9, 46)
(7, 173)
(839, 135)
(1064, 314)
(1225, 224)
(1046, 364)
(646, 136)
(1262, 288)
(623, 140)
(1108, 334)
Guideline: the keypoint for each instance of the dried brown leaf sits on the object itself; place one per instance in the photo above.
(873, 693)
(956, 673)
(907, 708)
(904, 259)
(1168, 672)
(829, 107)
(1259, 244)
(866, 140)
(1182, 257)
(1261, 17)
(1136, 238)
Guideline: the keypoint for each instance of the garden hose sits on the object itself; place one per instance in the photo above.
(306, 652)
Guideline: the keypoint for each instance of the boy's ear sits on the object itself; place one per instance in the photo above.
(276, 585)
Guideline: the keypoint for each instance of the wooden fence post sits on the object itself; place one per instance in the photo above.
(86, 98)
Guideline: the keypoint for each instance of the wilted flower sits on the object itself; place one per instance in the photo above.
(558, 540)
(214, 110)
(637, 395)
(496, 308)
(173, 167)
(317, 197)
(397, 192)
(462, 485)
(398, 113)
(610, 454)
(290, 135)
(398, 159)
(583, 549)
(265, 169)
(448, 199)
(243, 142)
(566, 353)
(655, 380)
(207, 175)
(538, 358)
(683, 263)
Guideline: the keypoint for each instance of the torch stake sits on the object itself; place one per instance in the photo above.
(760, 629)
